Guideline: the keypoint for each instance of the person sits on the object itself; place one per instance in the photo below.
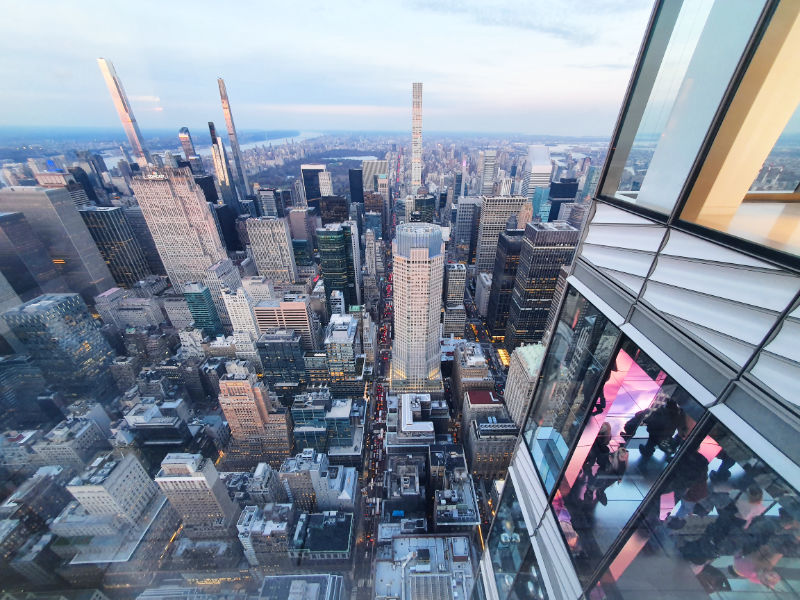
(662, 424)
(606, 477)
(598, 453)
(589, 385)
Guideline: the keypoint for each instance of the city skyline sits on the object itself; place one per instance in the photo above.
(461, 88)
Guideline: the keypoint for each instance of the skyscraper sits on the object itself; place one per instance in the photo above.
(538, 170)
(370, 170)
(24, 260)
(416, 137)
(227, 185)
(504, 274)
(124, 111)
(356, 185)
(418, 254)
(309, 175)
(488, 172)
(54, 219)
(337, 259)
(183, 228)
(202, 308)
(241, 175)
(495, 211)
(271, 247)
(65, 343)
(465, 235)
(117, 243)
(546, 247)
(523, 373)
(259, 429)
(195, 162)
(192, 485)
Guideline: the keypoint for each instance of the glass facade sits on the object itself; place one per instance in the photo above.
(516, 571)
(582, 343)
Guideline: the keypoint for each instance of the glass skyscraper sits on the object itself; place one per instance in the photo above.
(659, 458)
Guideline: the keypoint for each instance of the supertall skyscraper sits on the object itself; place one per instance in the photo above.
(271, 246)
(189, 151)
(418, 252)
(241, 176)
(124, 111)
(222, 168)
(416, 137)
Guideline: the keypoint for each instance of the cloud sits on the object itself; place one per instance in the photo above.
(145, 99)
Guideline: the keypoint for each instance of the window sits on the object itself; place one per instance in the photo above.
(582, 343)
(749, 184)
(689, 60)
(639, 419)
(722, 525)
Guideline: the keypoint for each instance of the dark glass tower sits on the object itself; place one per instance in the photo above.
(117, 243)
(356, 185)
(201, 305)
(333, 209)
(336, 258)
(545, 249)
(24, 260)
(509, 246)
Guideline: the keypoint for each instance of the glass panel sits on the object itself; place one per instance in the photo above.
(639, 420)
(691, 56)
(723, 525)
(582, 343)
(515, 569)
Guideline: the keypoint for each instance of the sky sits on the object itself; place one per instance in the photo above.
(554, 67)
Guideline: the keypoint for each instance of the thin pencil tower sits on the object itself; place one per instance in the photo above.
(124, 111)
(416, 138)
(242, 184)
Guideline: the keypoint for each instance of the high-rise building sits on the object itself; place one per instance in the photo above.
(142, 234)
(488, 172)
(257, 426)
(418, 255)
(117, 243)
(673, 353)
(338, 259)
(184, 231)
(282, 358)
(538, 170)
(342, 346)
(55, 220)
(195, 162)
(24, 260)
(416, 137)
(371, 170)
(291, 311)
(124, 111)
(546, 247)
(356, 180)
(465, 234)
(221, 276)
(67, 181)
(455, 314)
(65, 343)
(333, 209)
(239, 304)
(506, 262)
(242, 184)
(222, 168)
(204, 313)
(192, 485)
(271, 248)
(325, 184)
(523, 374)
(495, 211)
(119, 488)
(309, 176)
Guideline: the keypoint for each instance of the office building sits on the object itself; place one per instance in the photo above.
(538, 170)
(333, 209)
(455, 314)
(117, 243)
(124, 111)
(239, 304)
(504, 274)
(483, 287)
(201, 306)
(371, 170)
(54, 219)
(310, 179)
(142, 233)
(65, 342)
(68, 182)
(523, 373)
(488, 164)
(338, 249)
(222, 169)
(325, 184)
(356, 180)
(271, 248)
(242, 184)
(489, 443)
(418, 255)
(119, 307)
(192, 485)
(281, 354)
(344, 350)
(470, 371)
(24, 260)
(72, 444)
(495, 212)
(258, 425)
(687, 314)
(312, 483)
(112, 486)
(194, 160)
(292, 311)
(336, 302)
(546, 247)
(265, 533)
(464, 238)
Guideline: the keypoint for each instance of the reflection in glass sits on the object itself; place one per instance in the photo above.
(639, 420)
(581, 345)
(516, 572)
(722, 525)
